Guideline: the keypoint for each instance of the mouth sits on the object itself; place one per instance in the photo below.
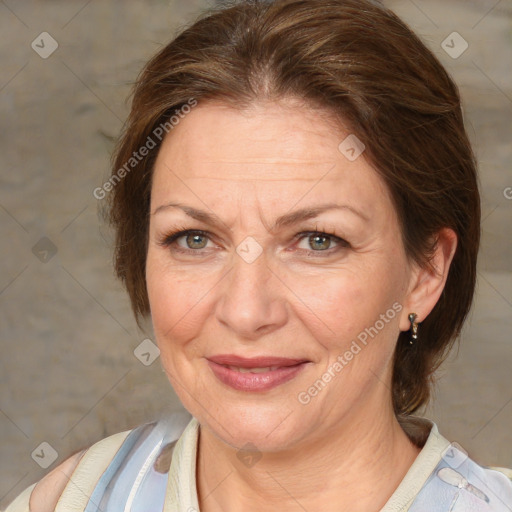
(252, 370)
(255, 374)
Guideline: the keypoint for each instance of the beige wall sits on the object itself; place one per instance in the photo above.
(68, 372)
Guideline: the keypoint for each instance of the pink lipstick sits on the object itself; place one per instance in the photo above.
(255, 373)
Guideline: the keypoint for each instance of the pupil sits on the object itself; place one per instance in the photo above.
(196, 239)
(323, 246)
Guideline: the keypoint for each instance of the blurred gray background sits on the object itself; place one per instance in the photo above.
(68, 371)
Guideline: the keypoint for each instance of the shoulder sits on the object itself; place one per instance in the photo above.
(88, 468)
(47, 491)
(84, 466)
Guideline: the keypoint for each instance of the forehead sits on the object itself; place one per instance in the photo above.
(270, 149)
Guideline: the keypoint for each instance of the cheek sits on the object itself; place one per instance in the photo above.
(336, 303)
(341, 305)
(178, 308)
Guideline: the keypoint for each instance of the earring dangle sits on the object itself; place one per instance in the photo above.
(414, 328)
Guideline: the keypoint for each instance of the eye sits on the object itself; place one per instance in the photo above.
(317, 241)
(189, 240)
(195, 240)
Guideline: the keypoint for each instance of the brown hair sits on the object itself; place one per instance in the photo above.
(360, 62)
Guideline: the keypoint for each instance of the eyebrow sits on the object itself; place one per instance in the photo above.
(286, 220)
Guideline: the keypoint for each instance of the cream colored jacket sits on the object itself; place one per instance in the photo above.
(181, 496)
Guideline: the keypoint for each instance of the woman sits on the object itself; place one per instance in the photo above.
(296, 208)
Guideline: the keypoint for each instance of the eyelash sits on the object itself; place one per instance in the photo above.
(171, 238)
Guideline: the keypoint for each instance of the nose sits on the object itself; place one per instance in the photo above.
(252, 300)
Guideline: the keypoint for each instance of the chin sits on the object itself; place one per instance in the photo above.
(270, 427)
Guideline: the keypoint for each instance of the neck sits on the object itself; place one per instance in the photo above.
(341, 471)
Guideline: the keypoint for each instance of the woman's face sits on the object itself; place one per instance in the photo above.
(277, 315)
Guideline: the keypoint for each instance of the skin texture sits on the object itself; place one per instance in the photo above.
(248, 168)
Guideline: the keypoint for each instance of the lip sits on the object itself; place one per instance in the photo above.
(286, 370)
(254, 362)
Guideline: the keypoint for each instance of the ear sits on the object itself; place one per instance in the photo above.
(427, 284)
